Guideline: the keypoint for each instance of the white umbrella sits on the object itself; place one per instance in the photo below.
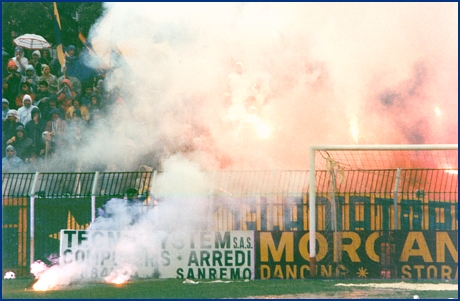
(31, 41)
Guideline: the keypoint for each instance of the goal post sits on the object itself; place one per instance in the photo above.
(337, 158)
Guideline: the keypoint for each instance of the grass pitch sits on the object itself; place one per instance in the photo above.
(206, 289)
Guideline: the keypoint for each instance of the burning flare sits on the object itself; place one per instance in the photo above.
(119, 276)
(354, 128)
(53, 277)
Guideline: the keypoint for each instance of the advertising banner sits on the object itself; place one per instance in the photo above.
(360, 254)
(201, 255)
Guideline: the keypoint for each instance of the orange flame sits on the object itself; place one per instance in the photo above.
(354, 129)
(119, 276)
(119, 280)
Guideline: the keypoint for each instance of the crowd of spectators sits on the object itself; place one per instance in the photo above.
(46, 108)
(51, 112)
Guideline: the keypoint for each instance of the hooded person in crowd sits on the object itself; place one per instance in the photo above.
(11, 162)
(71, 60)
(76, 83)
(45, 57)
(9, 45)
(20, 60)
(25, 112)
(34, 130)
(56, 130)
(21, 143)
(75, 130)
(86, 97)
(31, 77)
(13, 78)
(42, 96)
(9, 126)
(52, 104)
(51, 79)
(25, 90)
(66, 95)
(94, 106)
(35, 62)
(5, 107)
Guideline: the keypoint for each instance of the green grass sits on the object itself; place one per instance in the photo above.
(176, 289)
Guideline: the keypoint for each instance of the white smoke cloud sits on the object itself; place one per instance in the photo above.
(182, 205)
(326, 67)
(325, 73)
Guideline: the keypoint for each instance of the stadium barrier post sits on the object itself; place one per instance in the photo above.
(312, 204)
(395, 198)
(32, 217)
(151, 194)
(271, 200)
(93, 196)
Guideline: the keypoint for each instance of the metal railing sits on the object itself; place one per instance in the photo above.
(425, 199)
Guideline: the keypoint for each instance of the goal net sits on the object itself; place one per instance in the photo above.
(367, 200)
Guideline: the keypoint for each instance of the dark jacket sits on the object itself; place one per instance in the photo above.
(34, 131)
(23, 147)
(8, 131)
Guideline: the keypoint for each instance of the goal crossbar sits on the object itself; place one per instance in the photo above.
(312, 178)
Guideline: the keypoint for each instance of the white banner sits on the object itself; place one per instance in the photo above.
(223, 255)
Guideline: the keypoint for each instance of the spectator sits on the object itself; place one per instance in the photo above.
(13, 78)
(5, 107)
(65, 95)
(135, 204)
(76, 105)
(76, 127)
(55, 67)
(144, 180)
(51, 79)
(45, 58)
(35, 62)
(6, 93)
(11, 162)
(99, 89)
(52, 104)
(42, 96)
(76, 84)
(9, 47)
(21, 143)
(56, 130)
(94, 106)
(20, 60)
(71, 61)
(9, 126)
(31, 78)
(34, 130)
(5, 58)
(86, 98)
(25, 112)
(25, 90)
(75, 67)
